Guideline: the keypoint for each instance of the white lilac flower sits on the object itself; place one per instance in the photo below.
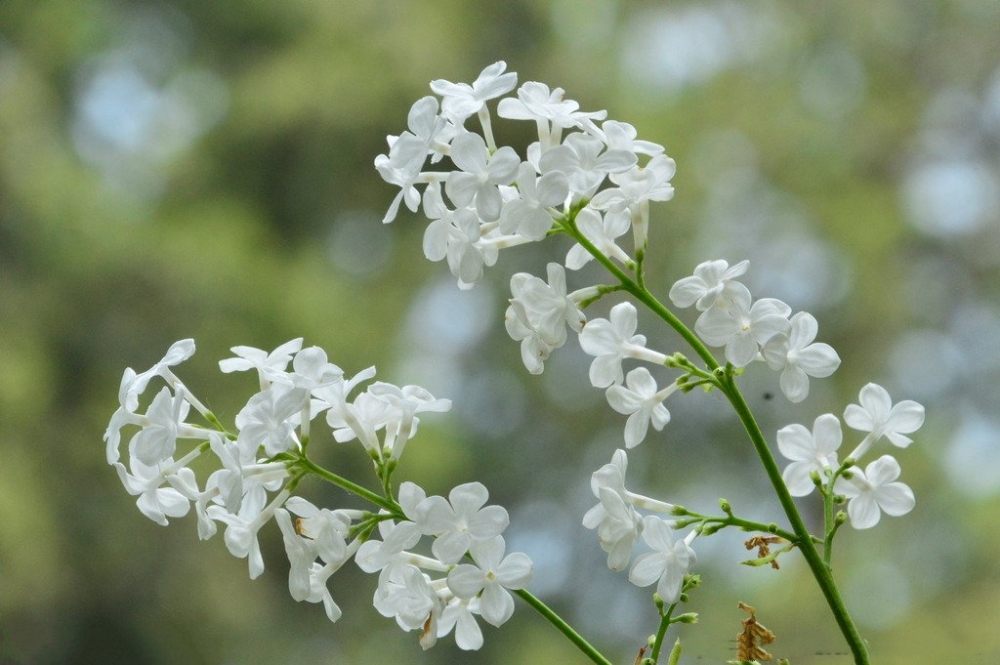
(460, 521)
(242, 528)
(874, 491)
(270, 366)
(307, 578)
(326, 529)
(798, 358)
(610, 341)
(429, 134)
(879, 417)
(636, 188)
(456, 235)
(637, 185)
(133, 385)
(122, 416)
(618, 526)
(388, 556)
(228, 481)
(667, 564)
(616, 520)
(157, 440)
(409, 496)
(551, 113)
(535, 349)
(743, 327)
(601, 231)
(461, 100)
(404, 404)
(491, 575)
(710, 286)
(475, 184)
(267, 420)
(539, 314)
(359, 419)
(810, 452)
(527, 215)
(622, 136)
(460, 615)
(403, 176)
(586, 162)
(407, 596)
(301, 555)
(155, 501)
(177, 353)
(642, 403)
(312, 369)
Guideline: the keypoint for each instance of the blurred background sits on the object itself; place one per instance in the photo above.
(192, 169)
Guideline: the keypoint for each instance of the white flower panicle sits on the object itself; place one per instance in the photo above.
(442, 562)
(261, 462)
(498, 199)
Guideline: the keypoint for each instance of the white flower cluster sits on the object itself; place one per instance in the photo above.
(499, 200)
(873, 490)
(265, 460)
(755, 330)
(619, 526)
(496, 199)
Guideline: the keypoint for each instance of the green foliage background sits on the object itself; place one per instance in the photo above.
(194, 169)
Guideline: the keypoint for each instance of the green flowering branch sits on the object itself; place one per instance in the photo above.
(723, 378)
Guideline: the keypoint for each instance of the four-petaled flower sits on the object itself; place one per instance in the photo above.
(640, 401)
(743, 327)
(669, 561)
(879, 417)
(491, 576)
(460, 100)
(874, 491)
(528, 214)
(270, 366)
(810, 452)
(711, 285)
(481, 173)
(797, 358)
(612, 340)
(460, 521)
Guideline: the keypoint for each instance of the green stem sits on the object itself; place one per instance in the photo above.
(661, 633)
(353, 488)
(732, 520)
(828, 530)
(563, 627)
